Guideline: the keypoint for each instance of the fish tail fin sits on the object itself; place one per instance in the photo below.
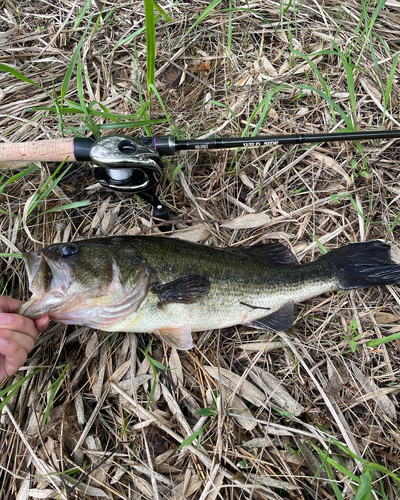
(362, 265)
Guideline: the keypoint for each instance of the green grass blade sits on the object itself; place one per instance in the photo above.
(385, 340)
(161, 11)
(174, 130)
(18, 74)
(265, 105)
(32, 168)
(331, 475)
(225, 106)
(150, 42)
(206, 412)
(189, 440)
(80, 16)
(69, 206)
(8, 392)
(54, 389)
(79, 83)
(369, 465)
(370, 25)
(201, 18)
(331, 102)
(364, 490)
(68, 75)
(76, 108)
(58, 112)
(129, 38)
(388, 90)
(349, 69)
(44, 191)
(318, 73)
(321, 245)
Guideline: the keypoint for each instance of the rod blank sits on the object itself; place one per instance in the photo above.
(272, 140)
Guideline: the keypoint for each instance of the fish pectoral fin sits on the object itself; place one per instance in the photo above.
(279, 320)
(180, 338)
(270, 253)
(183, 290)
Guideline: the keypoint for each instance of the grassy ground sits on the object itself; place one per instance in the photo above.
(309, 414)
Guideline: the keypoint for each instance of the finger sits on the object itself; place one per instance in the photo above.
(9, 305)
(42, 323)
(9, 338)
(18, 323)
(15, 357)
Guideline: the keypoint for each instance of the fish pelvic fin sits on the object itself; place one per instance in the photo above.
(278, 321)
(180, 338)
(362, 265)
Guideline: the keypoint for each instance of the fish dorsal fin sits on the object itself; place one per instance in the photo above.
(180, 338)
(278, 321)
(185, 290)
(270, 253)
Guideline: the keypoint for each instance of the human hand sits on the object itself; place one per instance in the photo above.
(17, 336)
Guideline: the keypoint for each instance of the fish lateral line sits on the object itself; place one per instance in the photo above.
(255, 307)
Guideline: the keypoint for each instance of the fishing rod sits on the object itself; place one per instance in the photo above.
(131, 164)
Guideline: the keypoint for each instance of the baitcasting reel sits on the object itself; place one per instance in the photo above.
(125, 163)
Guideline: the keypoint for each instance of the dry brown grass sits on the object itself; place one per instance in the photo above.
(321, 371)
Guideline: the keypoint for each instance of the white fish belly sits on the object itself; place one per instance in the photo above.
(217, 312)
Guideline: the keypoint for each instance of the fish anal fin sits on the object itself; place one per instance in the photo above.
(278, 321)
(270, 253)
(186, 290)
(180, 338)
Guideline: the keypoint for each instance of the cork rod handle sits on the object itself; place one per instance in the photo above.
(56, 150)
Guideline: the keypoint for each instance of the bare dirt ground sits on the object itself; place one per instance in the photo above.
(309, 414)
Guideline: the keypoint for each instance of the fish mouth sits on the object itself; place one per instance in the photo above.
(44, 280)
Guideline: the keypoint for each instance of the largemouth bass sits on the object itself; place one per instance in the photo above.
(173, 288)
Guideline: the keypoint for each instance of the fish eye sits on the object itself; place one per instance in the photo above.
(69, 250)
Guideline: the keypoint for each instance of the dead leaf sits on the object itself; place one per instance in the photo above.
(175, 366)
(284, 68)
(248, 221)
(130, 386)
(327, 161)
(394, 252)
(282, 35)
(92, 345)
(265, 480)
(199, 65)
(238, 407)
(195, 483)
(244, 80)
(9, 165)
(171, 76)
(383, 318)
(246, 181)
(264, 346)
(302, 112)
(269, 68)
(193, 234)
(371, 389)
(274, 389)
(234, 383)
